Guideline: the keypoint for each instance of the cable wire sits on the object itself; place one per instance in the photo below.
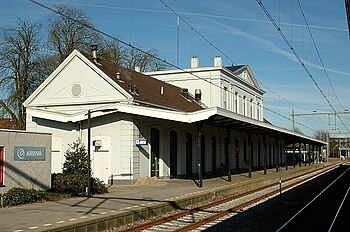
(155, 57)
(319, 55)
(200, 34)
(279, 30)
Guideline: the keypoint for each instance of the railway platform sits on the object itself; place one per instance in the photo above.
(126, 204)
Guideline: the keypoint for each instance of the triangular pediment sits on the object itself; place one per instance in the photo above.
(246, 75)
(77, 81)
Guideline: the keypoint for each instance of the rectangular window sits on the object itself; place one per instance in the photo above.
(225, 98)
(1, 166)
(251, 108)
(244, 106)
(236, 103)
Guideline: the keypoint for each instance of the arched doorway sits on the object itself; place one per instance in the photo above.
(203, 154)
(259, 158)
(188, 154)
(237, 149)
(155, 152)
(213, 154)
(173, 154)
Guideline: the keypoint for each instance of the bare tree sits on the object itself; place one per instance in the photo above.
(18, 50)
(129, 57)
(70, 30)
(321, 135)
(112, 51)
(145, 61)
(297, 130)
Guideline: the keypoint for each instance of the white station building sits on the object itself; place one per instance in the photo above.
(175, 124)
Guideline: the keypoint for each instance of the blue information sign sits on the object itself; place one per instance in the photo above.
(29, 153)
(141, 142)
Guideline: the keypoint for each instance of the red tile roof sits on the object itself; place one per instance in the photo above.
(7, 123)
(147, 89)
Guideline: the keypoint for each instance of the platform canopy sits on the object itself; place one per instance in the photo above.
(211, 116)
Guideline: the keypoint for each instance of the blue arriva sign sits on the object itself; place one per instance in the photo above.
(29, 153)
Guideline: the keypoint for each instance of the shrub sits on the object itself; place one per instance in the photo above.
(75, 184)
(98, 186)
(73, 179)
(76, 159)
(18, 196)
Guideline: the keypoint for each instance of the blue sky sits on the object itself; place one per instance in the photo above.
(242, 31)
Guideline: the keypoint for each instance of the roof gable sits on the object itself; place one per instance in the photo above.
(81, 81)
(245, 73)
(77, 81)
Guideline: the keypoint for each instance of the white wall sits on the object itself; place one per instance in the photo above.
(218, 89)
(126, 161)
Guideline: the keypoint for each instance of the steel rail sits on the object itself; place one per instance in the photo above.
(245, 204)
(228, 198)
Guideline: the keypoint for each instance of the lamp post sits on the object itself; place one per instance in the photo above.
(89, 145)
(89, 154)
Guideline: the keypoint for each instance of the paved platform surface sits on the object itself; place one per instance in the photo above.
(66, 214)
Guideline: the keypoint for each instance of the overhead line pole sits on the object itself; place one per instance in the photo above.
(322, 113)
(315, 113)
(280, 32)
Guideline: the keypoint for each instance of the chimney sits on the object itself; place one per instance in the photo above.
(94, 52)
(198, 95)
(217, 61)
(194, 62)
(162, 90)
(137, 69)
(130, 87)
(117, 75)
(184, 93)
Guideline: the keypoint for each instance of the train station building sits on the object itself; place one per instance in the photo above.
(192, 123)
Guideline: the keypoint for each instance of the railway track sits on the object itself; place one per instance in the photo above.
(201, 217)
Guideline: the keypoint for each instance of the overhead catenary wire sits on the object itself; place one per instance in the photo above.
(280, 32)
(200, 34)
(152, 55)
(319, 55)
(318, 121)
(212, 45)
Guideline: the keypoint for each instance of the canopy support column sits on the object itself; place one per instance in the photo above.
(200, 174)
(228, 131)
